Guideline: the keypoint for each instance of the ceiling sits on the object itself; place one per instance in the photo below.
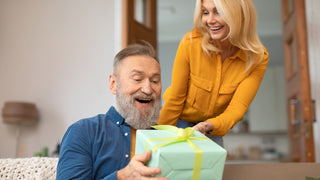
(175, 17)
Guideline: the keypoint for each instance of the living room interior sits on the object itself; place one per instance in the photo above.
(58, 55)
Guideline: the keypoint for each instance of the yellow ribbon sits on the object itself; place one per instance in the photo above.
(183, 135)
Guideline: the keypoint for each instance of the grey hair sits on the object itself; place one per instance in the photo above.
(132, 50)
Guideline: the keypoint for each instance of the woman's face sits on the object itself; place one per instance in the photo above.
(216, 26)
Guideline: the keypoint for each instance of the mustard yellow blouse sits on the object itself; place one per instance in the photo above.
(205, 89)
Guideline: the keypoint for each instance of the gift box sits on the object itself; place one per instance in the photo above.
(182, 154)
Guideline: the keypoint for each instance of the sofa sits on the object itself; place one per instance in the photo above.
(34, 168)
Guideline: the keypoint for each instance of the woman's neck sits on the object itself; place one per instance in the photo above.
(227, 50)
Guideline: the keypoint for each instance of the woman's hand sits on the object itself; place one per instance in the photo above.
(204, 127)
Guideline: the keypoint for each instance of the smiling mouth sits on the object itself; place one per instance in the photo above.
(216, 28)
(144, 101)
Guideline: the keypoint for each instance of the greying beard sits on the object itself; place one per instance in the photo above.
(126, 108)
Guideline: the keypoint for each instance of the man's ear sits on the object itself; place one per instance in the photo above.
(113, 84)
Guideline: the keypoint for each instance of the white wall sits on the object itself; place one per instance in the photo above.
(167, 52)
(313, 26)
(267, 112)
(57, 54)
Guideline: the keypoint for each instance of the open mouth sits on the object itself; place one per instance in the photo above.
(216, 28)
(143, 101)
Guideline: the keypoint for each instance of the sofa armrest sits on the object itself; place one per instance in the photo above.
(28, 168)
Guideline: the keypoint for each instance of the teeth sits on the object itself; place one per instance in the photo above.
(145, 99)
(141, 101)
(215, 28)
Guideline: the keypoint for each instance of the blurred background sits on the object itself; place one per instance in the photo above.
(58, 55)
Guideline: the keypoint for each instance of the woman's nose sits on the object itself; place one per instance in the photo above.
(211, 18)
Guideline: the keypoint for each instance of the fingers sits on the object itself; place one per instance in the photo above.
(154, 178)
(144, 157)
(204, 127)
(144, 170)
(149, 171)
(137, 170)
(200, 128)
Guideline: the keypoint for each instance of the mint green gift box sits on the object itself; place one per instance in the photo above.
(177, 158)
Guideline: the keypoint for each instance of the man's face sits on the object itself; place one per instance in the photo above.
(137, 85)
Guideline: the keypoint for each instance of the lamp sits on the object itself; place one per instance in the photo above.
(19, 113)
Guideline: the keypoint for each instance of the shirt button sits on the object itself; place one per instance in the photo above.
(127, 155)
(118, 122)
(207, 87)
(126, 134)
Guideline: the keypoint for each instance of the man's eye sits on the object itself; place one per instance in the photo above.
(138, 80)
(155, 80)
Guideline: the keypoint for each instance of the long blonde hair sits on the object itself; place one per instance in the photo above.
(240, 15)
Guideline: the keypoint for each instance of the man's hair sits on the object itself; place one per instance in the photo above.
(132, 50)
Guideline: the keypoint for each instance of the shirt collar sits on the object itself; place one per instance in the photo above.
(240, 54)
(116, 117)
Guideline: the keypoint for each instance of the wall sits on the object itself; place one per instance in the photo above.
(57, 54)
(313, 26)
(167, 53)
(267, 112)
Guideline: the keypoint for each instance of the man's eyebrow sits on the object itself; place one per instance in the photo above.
(156, 74)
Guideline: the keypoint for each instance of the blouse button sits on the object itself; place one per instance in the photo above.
(118, 122)
(126, 134)
(207, 87)
(127, 155)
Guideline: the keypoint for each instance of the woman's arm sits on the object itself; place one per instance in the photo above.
(175, 96)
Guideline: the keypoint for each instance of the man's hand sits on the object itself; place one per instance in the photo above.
(204, 127)
(137, 170)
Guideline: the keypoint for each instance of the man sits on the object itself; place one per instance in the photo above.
(101, 147)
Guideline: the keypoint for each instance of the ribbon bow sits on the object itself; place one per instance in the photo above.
(183, 135)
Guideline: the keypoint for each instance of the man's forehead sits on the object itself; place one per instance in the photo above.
(138, 58)
(139, 62)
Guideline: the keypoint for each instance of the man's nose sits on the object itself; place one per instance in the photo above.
(146, 87)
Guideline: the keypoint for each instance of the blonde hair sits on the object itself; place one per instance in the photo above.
(240, 15)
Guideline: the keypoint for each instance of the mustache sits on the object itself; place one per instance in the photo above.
(140, 95)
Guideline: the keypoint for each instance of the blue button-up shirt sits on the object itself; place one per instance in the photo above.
(95, 148)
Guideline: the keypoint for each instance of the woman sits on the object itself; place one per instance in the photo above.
(217, 70)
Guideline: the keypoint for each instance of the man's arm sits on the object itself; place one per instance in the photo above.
(75, 155)
(75, 160)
